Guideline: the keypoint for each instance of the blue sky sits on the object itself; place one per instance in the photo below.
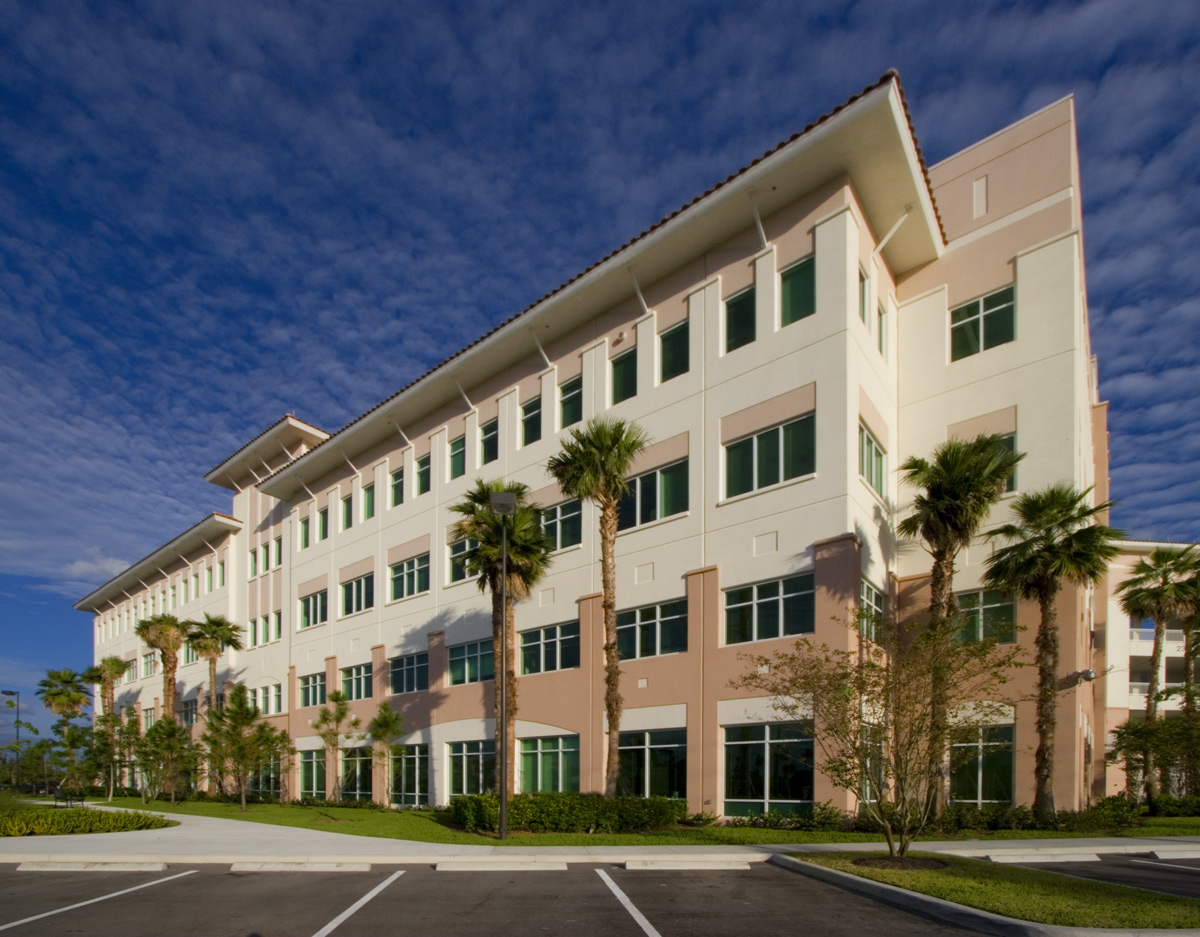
(215, 212)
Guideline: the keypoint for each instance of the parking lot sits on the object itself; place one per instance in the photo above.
(206, 901)
(1170, 876)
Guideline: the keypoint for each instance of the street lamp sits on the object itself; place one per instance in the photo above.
(17, 722)
(503, 503)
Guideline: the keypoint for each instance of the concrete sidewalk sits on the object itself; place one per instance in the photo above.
(208, 840)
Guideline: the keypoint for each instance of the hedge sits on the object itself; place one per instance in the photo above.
(569, 813)
(55, 822)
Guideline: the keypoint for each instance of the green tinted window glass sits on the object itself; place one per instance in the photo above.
(999, 327)
(739, 320)
(571, 401)
(673, 351)
(768, 458)
(674, 480)
(422, 474)
(739, 468)
(458, 456)
(624, 376)
(489, 442)
(531, 421)
(800, 447)
(965, 338)
(799, 291)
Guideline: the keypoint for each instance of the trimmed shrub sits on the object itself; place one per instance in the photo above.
(54, 822)
(1167, 805)
(822, 817)
(569, 813)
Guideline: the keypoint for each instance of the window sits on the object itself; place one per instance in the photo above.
(624, 376)
(553, 648)
(277, 632)
(656, 494)
(652, 630)
(189, 654)
(471, 663)
(312, 690)
(148, 663)
(531, 421)
(489, 442)
(323, 524)
(563, 525)
(570, 397)
(768, 768)
(673, 352)
(410, 577)
(147, 719)
(314, 609)
(397, 487)
(982, 324)
(410, 673)
(982, 766)
(550, 765)
(653, 764)
(864, 294)
(304, 533)
(131, 671)
(770, 610)
(173, 588)
(881, 329)
(798, 292)
(220, 578)
(368, 494)
(460, 552)
(1009, 442)
(356, 682)
(423, 474)
(472, 767)
(252, 632)
(871, 608)
(187, 712)
(358, 594)
(458, 456)
(410, 776)
(312, 774)
(265, 780)
(987, 616)
(870, 459)
(208, 579)
(266, 564)
(253, 570)
(739, 320)
(195, 589)
(347, 512)
(774, 455)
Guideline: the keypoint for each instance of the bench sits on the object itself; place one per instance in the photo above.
(67, 798)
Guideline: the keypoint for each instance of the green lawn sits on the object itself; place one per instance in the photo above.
(435, 827)
(1029, 894)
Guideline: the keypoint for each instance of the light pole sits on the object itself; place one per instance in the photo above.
(503, 503)
(17, 723)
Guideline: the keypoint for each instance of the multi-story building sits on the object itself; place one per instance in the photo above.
(787, 339)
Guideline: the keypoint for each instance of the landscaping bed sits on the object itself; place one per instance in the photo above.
(35, 821)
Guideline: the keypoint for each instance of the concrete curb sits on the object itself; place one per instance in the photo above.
(960, 915)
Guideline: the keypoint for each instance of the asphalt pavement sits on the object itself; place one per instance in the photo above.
(1169, 876)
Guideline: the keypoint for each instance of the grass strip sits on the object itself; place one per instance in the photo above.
(1026, 894)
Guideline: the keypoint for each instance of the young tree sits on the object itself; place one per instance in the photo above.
(165, 634)
(210, 639)
(1054, 538)
(335, 725)
(525, 562)
(1157, 590)
(166, 758)
(593, 466)
(956, 490)
(383, 730)
(239, 746)
(872, 711)
(106, 674)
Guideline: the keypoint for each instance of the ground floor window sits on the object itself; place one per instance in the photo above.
(768, 768)
(654, 764)
(356, 774)
(266, 779)
(312, 774)
(982, 766)
(472, 767)
(550, 765)
(410, 776)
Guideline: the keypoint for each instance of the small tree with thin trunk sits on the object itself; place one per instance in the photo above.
(335, 725)
(1055, 538)
(239, 746)
(385, 727)
(166, 758)
(106, 674)
(593, 466)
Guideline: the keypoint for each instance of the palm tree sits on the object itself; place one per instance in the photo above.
(385, 727)
(63, 692)
(1191, 618)
(956, 490)
(106, 674)
(1157, 590)
(1055, 537)
(593, 466)
(526, 563)
(210, 639)
(165, 634)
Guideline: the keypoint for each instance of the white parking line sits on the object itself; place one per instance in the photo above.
(72, 907)
(1169, 865)
(629, 905)
(333, 925)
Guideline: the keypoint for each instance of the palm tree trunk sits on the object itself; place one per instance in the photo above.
(941, 608)
(504, 636)
(1156, 658)
(212, 683)
(170, 662)
(1192, 758)
(1047, 707)
(613, 702)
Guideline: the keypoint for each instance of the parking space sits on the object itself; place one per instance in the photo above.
(1170, 876)
(416, 901)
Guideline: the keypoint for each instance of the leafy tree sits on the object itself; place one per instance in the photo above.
(1054, 538)
(106, 674)
(593, 466)
(335, 725)
(19, 747)
(526, 562)
(239, 746)
(956, 490)
(383, 730)
(63, 692)
(166, 758)
(1158, 590)
(72, 740)
(210, 639)
(873, 710)
(165, 634)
